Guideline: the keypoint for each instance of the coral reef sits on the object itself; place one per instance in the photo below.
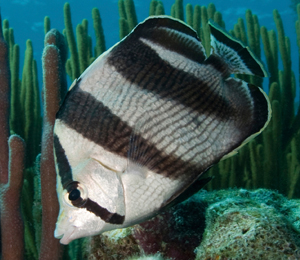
(250, 225)
(272, 160)
(174, 233)
(117, 244)
(226, 224)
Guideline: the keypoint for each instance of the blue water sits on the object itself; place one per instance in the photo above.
(27, 16)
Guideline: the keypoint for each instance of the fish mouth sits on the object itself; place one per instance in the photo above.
(66, 236)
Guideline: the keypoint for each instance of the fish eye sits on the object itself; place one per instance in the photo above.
(75, 194)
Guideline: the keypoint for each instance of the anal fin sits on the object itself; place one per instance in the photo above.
(190, 191)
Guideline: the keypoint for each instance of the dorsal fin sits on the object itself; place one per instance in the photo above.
(238, 57)
(173, 35)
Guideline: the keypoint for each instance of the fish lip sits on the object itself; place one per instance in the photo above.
(66, 237)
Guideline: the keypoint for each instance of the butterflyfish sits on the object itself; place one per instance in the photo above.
(146, 119)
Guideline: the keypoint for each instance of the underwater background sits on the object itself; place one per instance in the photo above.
(27, 18)
(251, 207)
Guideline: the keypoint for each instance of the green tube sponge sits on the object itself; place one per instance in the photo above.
(130, 13)
(293, 85)
(298, 27)
(294, 168)
(250, 30)
(253, 34)
(173, 11)
(257, 36)
(274, 52)
(122, 11)
(37, 119)
(92, 59)
(124, 30)
(88, 49)
(243, 35)
(298, 33)
(5, 28)
(11, 42)
(37, 205)
(179, 10)
(100, 40)
(189, 14)
(27, 97)
(286, 61)
(233, 178)
(152, 10)
(5, 25)
(279, 182)
(123, 24)
(268, 54)
(256, 152)
(293, 192)
(197, 19)
(47, 24)
(218, 19)
(160, 10)
(225, 170)
(29, 233)
(82, 47)
(258, 176)
(85, 25)
(71, 42)
(15, 110)
(281, 40)
(237, 31)
(205, 35)
(275, 92)
(211, 9)
(69, 67)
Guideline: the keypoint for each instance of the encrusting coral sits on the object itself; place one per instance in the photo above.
(174, 233)
(250, 225)
(272, 160)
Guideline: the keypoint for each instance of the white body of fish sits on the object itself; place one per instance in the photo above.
(146, 119)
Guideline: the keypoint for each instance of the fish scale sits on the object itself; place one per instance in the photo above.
(146, 120)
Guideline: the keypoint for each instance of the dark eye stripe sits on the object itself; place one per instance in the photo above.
(65, 172)
(103, 213)
(64, 168)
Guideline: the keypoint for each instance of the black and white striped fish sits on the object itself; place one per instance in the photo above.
(146, 119)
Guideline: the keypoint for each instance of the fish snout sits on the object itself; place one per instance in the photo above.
(64, 229)
(65, 236)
